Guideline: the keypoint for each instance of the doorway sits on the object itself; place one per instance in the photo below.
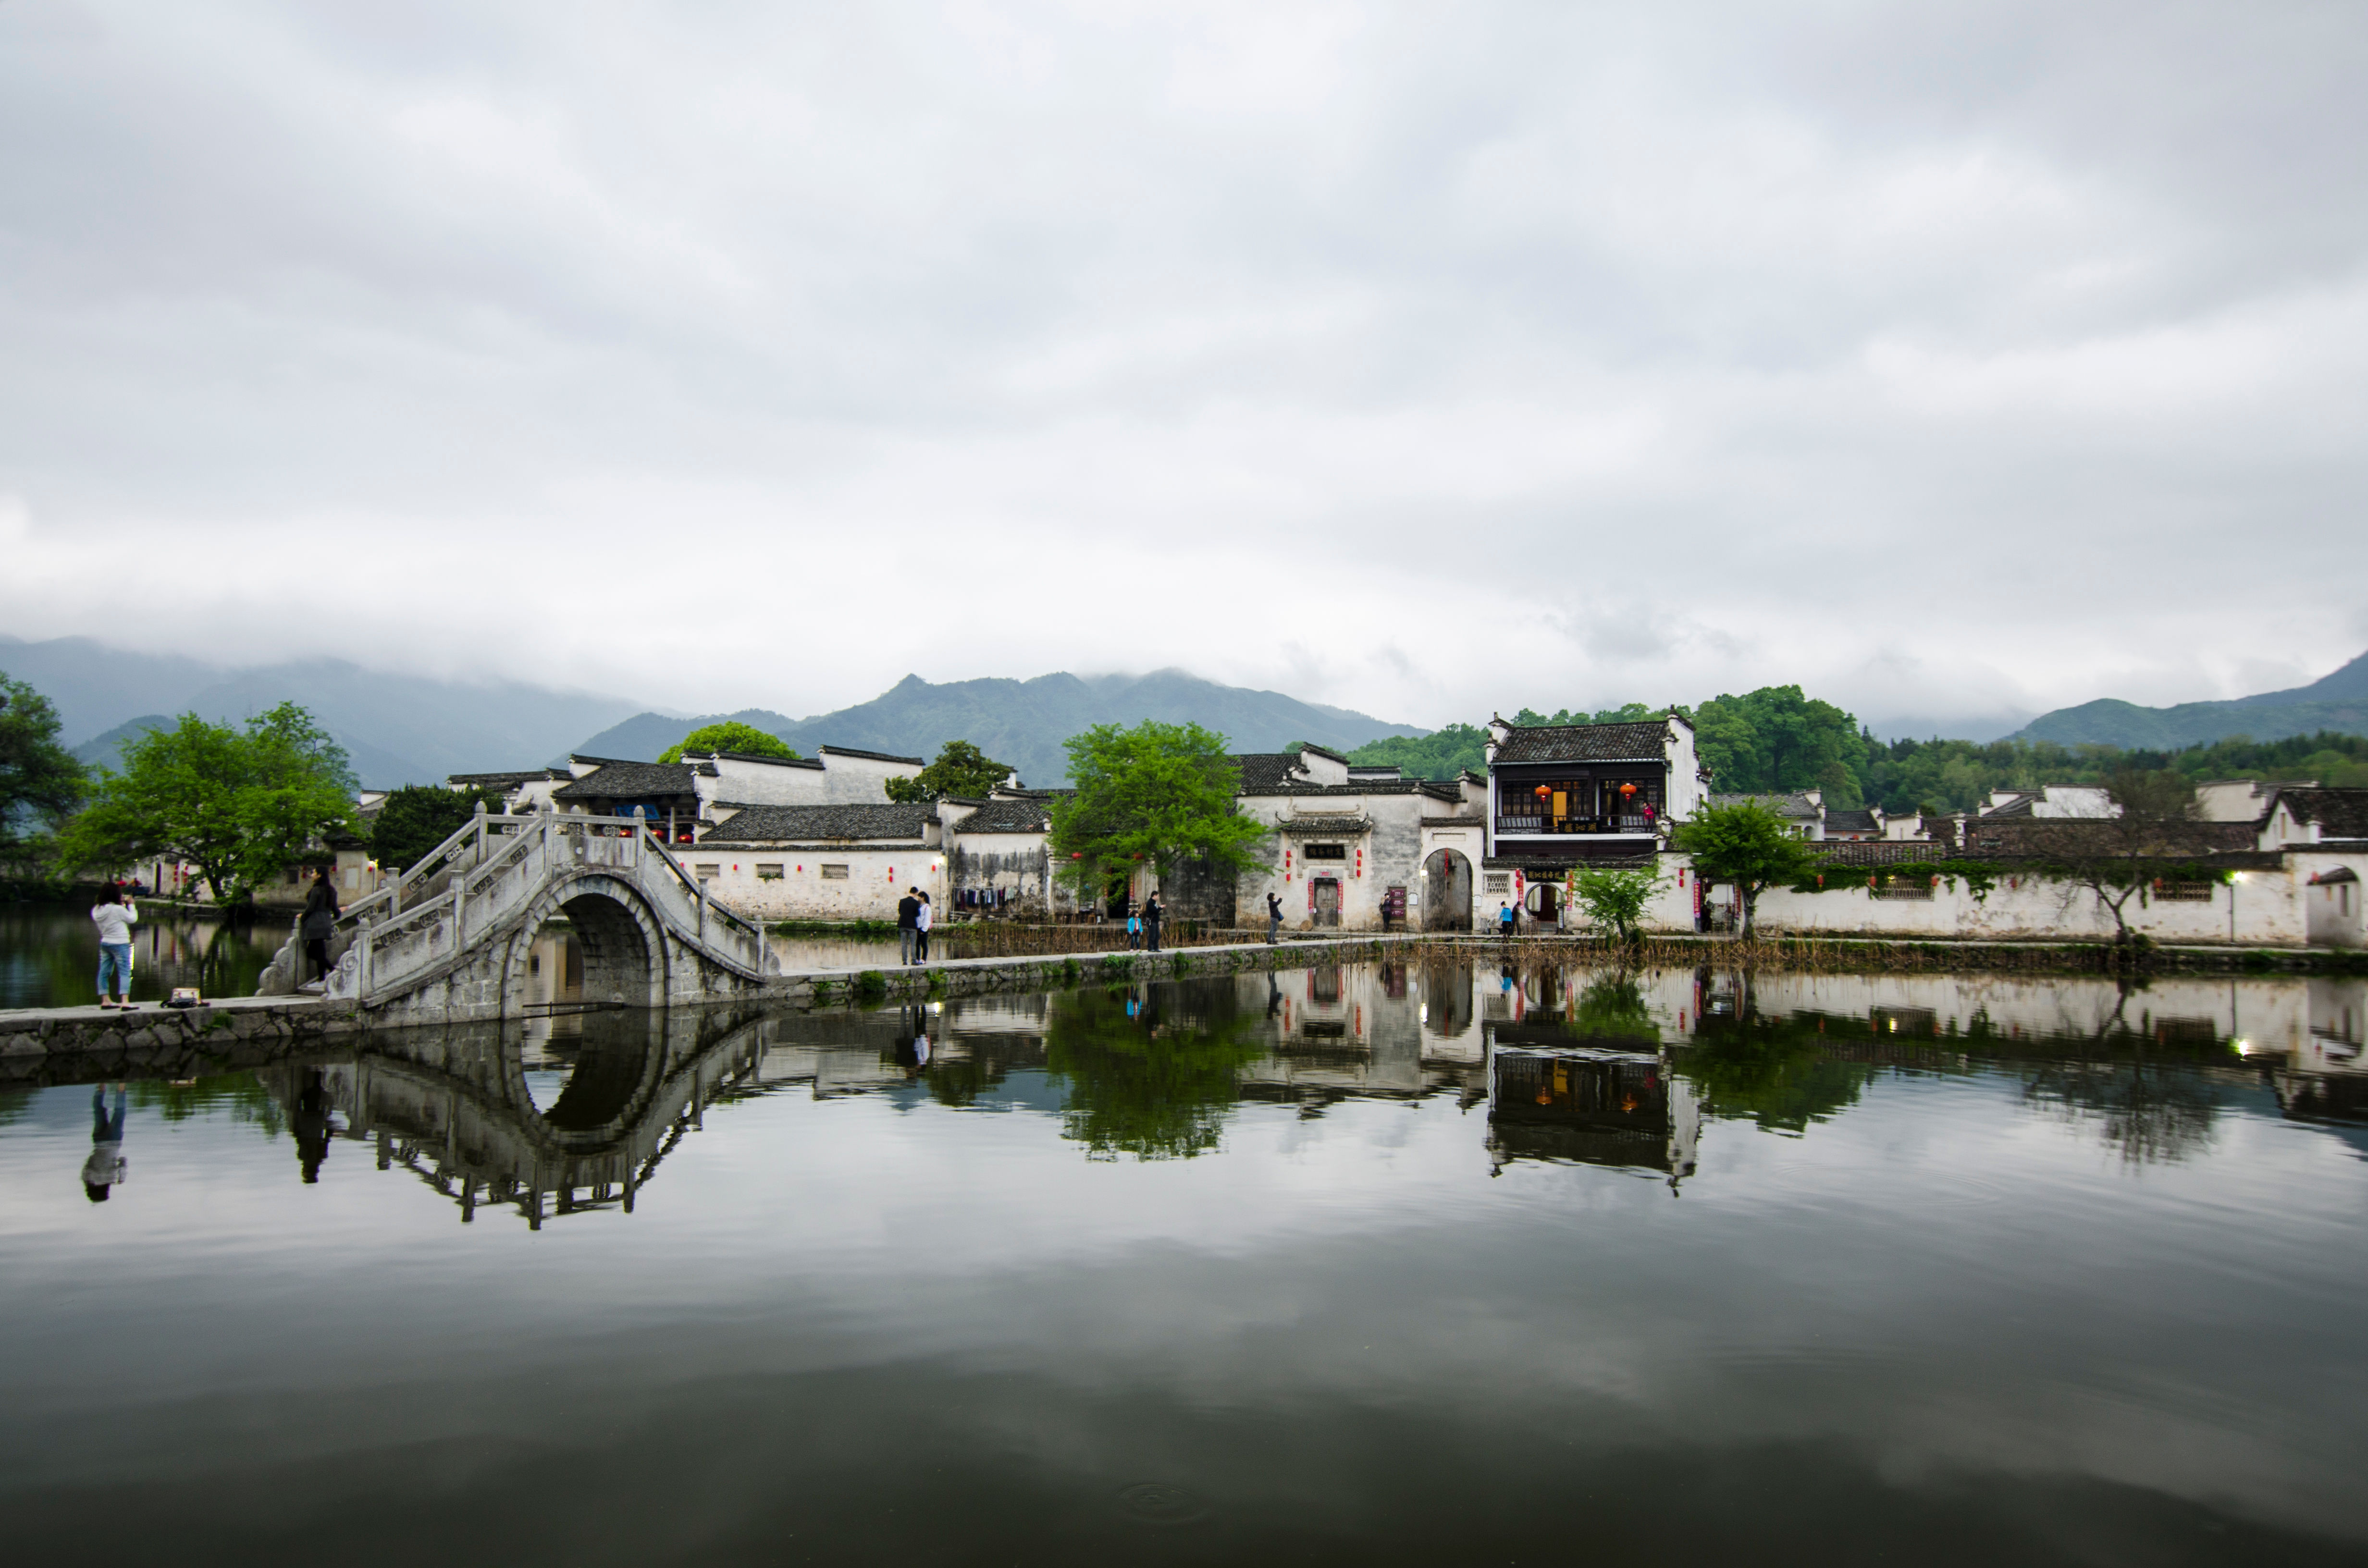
(1327, 900)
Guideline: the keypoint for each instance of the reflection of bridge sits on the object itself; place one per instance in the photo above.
(455, 1106)
(447, 941)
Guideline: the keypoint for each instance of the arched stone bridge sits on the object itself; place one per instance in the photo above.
(456, 1108)
(447, 942)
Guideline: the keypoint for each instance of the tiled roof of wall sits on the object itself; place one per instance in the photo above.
(871, 756)
(1006, 816)
(2340, 814)
(632, 780)
(784, 824)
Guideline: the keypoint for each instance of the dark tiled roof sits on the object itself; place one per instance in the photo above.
(1877, 851)
(1438, 791)
(1006, 816)
(2048, 837)
(1323, 827)
(1585, 743)
(873, 756)
(801, 824)
(1536, 867)
(1265, 772)
(1322, 751)
(1849, 822)
(2340, 814)
(635, 780)
(1782, 805)
(505, 780)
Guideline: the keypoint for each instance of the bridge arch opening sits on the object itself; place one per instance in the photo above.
(616, 963)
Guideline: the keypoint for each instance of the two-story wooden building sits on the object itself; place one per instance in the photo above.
(1567, 795)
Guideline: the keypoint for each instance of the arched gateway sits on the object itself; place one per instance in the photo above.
(1447, 892)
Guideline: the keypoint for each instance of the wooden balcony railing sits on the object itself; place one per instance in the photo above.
(1523, 826)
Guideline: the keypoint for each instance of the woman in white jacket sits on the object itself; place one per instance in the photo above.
(115, 916)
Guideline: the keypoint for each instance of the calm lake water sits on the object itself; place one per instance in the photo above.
(1359, 1265)
(49, 953)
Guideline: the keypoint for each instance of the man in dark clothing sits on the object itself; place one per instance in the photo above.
(908, 921)
(1151, 914)
(320, 923)
(1273, 918)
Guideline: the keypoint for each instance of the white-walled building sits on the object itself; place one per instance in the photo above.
(822, 862)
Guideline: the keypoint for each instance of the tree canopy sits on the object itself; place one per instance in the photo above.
(1615, 901)
(416, 818)
(240, 805)
(960, 769)
(41, 782)
(1157, 793)
(1748, 846)
(728, 734)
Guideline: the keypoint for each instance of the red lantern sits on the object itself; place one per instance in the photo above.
(1627, 789)
(1544, 792)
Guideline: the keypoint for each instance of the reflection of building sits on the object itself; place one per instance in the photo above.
(1556, 1096)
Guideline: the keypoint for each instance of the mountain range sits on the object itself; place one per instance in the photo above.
(412, 730)
(2338, 701)
(1023, 722)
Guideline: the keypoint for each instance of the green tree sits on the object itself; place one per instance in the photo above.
(1157, 1079)
(1442, 753)
(1778, 739)
(1747, 847)
(728, 734)
(2116, 856)
(1776, 1072)
(416, 818)
(41, 783)
(241, 805)
(1616, 900)
(960, 769)
(1157, 793)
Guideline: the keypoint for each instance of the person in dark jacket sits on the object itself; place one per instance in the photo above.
(320, 923)
(1273, 918)
(909, 922)
(1152, 912)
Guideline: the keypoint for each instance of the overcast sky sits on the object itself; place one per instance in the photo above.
(1429, 359)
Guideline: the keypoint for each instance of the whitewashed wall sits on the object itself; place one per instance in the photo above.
(877, 877)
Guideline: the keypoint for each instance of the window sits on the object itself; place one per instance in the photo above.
(833, 873)
(1498, 881)
(769, 871)
(1902, 890)
(2184, 892)
(1327, 852)
(706, 869)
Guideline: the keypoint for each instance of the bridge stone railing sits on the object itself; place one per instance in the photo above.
(469, 897)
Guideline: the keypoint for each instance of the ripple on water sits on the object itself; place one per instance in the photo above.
(1159, 1502)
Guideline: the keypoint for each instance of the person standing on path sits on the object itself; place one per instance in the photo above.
(923, 918)
(1273, 918)
(908, 915)
(1151, 916)
(1505, 920)
(320, 923)
(105, 1167)
(114, 915)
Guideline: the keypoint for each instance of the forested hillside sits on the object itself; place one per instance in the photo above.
(1778, 738)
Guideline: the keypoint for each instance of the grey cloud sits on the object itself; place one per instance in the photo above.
(1217, 337)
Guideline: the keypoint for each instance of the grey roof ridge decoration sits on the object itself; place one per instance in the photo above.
(871, 755)
(1006, 816)
(757, 756)
(1322, 751)
(519, 776)
(1455, 821)
(1323, 827)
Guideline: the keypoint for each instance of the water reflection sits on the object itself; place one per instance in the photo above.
(571, 1111)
